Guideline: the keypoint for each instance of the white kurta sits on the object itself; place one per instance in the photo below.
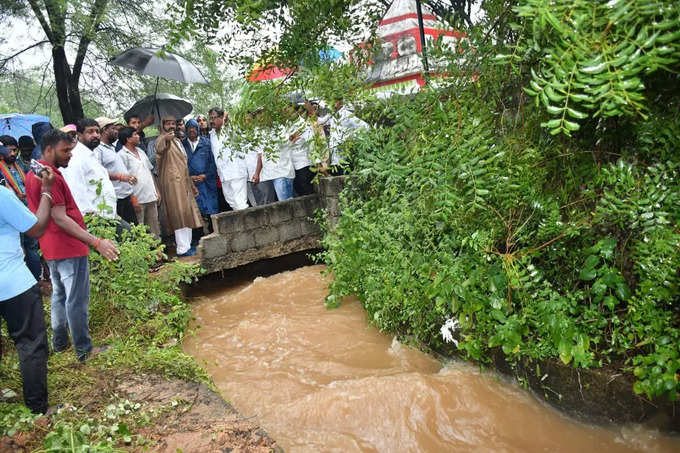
(230, 161)
(83, 175)
(278, 163)
(343, 125)
(299, 151)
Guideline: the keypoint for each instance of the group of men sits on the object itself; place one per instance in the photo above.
(100, 167)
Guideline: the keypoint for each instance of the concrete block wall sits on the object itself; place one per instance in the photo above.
(276, 229)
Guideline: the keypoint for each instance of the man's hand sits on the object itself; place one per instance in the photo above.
(128, 178)
(295, 137)
(107, 249)
(198, 178)
(256, 178)
(47, 177)
(194, 190)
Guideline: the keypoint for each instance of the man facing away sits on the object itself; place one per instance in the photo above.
(20, 300)
(122, 180)
(177, 189)
(145, 191)
(231, 165)
(85, 174)
(65, 247)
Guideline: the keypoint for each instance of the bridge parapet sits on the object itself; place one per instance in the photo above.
(276, 229)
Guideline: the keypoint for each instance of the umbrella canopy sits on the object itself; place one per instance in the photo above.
(160, 105)
(146, 61)
(262, 73)
(17, 124)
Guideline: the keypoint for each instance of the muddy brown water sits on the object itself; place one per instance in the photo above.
(324, 380)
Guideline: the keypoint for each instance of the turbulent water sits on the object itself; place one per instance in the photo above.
(320, 380)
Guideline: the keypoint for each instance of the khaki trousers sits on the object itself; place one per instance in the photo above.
(148, 215)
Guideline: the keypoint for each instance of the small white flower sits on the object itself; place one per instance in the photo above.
(448, 329)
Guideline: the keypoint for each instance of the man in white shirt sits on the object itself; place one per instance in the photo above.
(111, 160)
(230, 162)
(84, 174)
(301, 139)
(277, 165)
(343, 125)
(145, 192)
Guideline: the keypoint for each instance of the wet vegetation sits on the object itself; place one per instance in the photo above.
(143, 320)
(532, 197)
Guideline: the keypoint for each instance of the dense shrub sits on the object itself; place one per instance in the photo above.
(545, 244)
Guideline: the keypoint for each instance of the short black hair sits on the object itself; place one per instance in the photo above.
(127, 117)
(125, 133)
(53, 137)
(218, 110)
(8, 140)
(84, 123)
(26, 142)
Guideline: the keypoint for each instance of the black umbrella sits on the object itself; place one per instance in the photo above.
(160, 104)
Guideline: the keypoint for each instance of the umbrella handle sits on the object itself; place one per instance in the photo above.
(155, 103)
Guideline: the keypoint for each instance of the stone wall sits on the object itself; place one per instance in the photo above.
(276, 229)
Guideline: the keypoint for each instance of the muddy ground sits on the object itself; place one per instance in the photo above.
(202, 421)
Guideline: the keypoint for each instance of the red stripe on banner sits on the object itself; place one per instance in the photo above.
(394, 19)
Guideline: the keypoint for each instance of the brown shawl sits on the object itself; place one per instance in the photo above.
(176, 185)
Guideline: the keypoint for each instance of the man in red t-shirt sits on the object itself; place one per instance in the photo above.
(65, 248)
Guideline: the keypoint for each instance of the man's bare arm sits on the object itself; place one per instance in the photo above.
(104, 246)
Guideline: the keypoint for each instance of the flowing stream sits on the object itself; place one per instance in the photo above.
(324, 380)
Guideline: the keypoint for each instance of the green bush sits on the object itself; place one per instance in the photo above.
(462, 207)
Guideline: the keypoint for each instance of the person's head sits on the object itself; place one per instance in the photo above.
(168, 124)
(217, 117)
(10, 143)
(108, 129)
(11, 146)
(338, 103)
(26, 145)
(202, 122)
(56, 147)
(88, 132)
(180, 130)
(310, 107)
(193, 130)
(134, 121)
(128, 137)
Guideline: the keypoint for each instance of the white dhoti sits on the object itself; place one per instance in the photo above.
(236, 193)
(183, 240)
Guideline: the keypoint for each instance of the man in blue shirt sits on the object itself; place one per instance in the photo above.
(20, 300)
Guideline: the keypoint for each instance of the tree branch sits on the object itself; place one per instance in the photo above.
(4, 61)
(95, 18)
(35, 7)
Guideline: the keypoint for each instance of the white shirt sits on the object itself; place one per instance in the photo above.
(230, 162)
(277, 163)
(299, 151)
(83, 175)
(343, 124)
(110, 159)
(140, 167)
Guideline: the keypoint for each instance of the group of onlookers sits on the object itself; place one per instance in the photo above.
(173, 182)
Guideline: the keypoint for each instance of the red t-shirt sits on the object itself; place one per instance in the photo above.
(56, 244)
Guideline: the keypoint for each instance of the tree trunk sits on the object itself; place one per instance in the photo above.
(68, 94)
